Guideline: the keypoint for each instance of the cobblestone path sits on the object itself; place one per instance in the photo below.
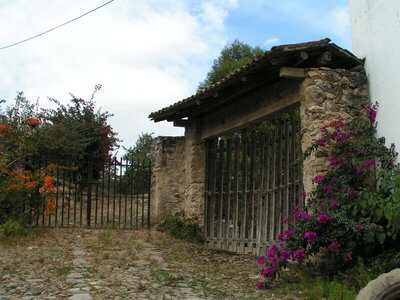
(104, 264)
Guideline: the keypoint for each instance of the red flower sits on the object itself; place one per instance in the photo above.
(324, 218)
(269, 272)
(299, 255)
(311, 236)
(369, 163)
(33, 122)
(372, 112)
(260, 285)
(359, 170)
(318, 179)
(334, 246)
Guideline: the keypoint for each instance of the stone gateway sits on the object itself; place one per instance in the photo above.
(312, 83)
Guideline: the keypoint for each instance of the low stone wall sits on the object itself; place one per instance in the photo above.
(327, 94)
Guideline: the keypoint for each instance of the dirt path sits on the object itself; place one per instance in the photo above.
(104, 264)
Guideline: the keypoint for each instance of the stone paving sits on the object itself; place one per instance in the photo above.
(102, 264)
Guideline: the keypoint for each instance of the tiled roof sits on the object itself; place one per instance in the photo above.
(344, 59)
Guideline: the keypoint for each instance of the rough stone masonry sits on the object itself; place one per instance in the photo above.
(178, 180)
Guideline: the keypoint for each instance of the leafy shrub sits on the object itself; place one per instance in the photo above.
(182, 228)
(22, 187)
(382, 205)
(29, 134)
(384, 262)
(11, 228)
(346, 216)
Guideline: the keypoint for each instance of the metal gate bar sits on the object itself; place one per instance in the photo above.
(94, 195)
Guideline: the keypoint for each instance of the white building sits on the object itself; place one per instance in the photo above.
(376, 37)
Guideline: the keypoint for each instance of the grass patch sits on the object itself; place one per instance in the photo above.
(201, 285)
(12, 234)
(64, 271)
(105, 234)
(165, 277)
(321, 288)
(12, 229)
(307, 282)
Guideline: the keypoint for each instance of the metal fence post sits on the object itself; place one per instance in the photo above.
(89, 191)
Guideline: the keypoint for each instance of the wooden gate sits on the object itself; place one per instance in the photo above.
(252, 183)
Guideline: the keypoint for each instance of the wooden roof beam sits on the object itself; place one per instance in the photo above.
(292, 73)
(181, 123)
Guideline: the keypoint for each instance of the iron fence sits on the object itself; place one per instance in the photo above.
(93, 194)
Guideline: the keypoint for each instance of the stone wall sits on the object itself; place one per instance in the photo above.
(327, 94)
(179, 162)
(178, 176)
(168, 180)
(194, 173)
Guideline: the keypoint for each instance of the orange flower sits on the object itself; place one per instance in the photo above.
(31, 185)
(1, 136)
(48, 185)
(33, 122)
(5, 128)
(51, 205)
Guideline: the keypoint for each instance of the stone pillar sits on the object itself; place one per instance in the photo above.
(325, 95)
(167, 180)
(194, 173)
(178, 176)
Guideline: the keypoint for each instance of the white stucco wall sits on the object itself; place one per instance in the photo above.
(376, 37)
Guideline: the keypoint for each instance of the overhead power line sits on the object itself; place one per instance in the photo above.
(58, 26)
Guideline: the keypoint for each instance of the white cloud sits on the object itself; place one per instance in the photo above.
(339, 21)
(271, 41)
(314, 16)
(146, 54)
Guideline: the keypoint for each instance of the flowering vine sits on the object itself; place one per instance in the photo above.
(332, 222)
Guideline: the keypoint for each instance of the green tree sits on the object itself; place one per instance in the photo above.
(141, 149)
(232, 57)
(77, 131)
(137, 177)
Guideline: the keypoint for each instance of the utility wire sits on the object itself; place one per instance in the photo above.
(54, 28)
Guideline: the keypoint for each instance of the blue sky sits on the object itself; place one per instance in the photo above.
(147, 54)
(256, 22)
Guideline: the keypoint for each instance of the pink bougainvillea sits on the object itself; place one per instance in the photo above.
(328, 223)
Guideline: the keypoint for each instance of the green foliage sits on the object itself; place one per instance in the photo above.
(76, 131)
(141, 149)
(30, 135)
(182, 228)
(18, 205)
(105, 234)
(362, 216)
(165, 277)
(384, 262)
(12, 228)
(232, 57)
(351, 214)
(320, 288)
(137, 178)
(382, 205)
